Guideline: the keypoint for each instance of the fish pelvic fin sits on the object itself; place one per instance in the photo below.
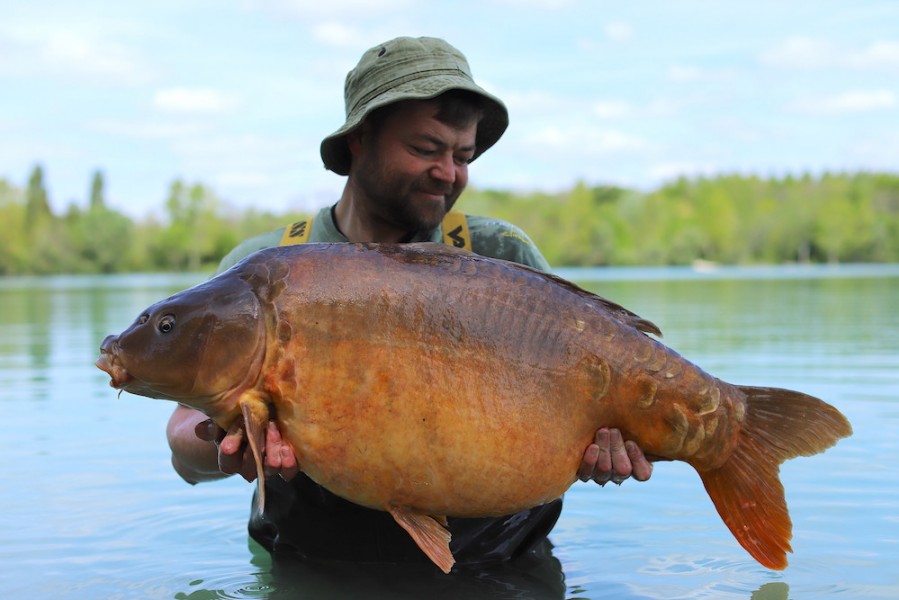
(746, 490)
(255, 417)
(428, 533)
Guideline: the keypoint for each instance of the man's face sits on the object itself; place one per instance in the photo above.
(414, 168)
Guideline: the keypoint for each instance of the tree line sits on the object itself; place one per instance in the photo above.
(727, 219)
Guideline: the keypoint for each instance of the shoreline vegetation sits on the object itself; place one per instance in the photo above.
(717, 220)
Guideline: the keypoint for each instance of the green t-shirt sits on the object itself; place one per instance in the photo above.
(489, 237)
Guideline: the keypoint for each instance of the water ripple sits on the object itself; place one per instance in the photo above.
(228, 587)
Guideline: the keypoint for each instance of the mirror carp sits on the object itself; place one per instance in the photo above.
(431, 382)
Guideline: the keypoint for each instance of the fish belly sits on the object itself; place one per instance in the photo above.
(448, 391)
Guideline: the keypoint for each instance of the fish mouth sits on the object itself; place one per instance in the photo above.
(119, 377)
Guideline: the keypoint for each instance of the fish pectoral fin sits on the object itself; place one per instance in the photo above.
(428, 533)
(255, 418)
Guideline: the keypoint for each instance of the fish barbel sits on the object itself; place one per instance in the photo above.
(431, 382)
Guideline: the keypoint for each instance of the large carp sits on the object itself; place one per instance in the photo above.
(431, 382)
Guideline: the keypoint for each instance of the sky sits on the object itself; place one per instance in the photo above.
(238, 94)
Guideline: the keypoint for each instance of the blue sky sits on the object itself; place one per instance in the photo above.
(237, 94)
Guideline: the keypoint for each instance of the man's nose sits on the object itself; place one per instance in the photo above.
(444, 168)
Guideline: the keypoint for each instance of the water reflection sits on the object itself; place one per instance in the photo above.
(53, 325)
(776, 590)
(525, 579)
(528, 578)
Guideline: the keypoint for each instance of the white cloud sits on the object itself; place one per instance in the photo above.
(333, 33)
(622, 109)
(811, 53)
(693, 74)
(618, 31)
(613, 109)
(193, 100)
(849, 102)
(538, 4)
(533, 102)
(585, 140)
(328, 9)
(682, 73)
(879, 55)
(799, 52)
(77, 51)
(539, 104)
(146, 129)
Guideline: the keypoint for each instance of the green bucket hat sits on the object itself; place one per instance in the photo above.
(408, 69)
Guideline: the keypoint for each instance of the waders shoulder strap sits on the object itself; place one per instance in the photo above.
(455, 231)
(296, 233)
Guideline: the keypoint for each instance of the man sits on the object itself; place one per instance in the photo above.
(415, 120)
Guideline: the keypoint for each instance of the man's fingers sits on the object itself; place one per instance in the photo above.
(234, 439)
(621, 462)
(289, 466)
(279, 456)
(233, 450)
(272, 447)
(585, 472)
(610, 458)
(604, 460)
(603, 468)
(642, 468)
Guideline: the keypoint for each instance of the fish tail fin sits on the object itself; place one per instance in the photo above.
(746, 490)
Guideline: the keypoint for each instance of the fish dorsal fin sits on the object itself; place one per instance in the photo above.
(615, 310)
(255, 418)
(428, 533)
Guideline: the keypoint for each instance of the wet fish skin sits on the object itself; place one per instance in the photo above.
(429, 382)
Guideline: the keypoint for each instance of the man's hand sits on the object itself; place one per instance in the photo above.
(610, 458)
(235, 456)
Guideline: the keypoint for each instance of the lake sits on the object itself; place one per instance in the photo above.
(90, 507)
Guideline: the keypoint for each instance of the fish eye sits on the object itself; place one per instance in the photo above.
(166, 324)
(143, 318)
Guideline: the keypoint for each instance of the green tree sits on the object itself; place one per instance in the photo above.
(731, 219)
(189, 240)
(97, 197)
(102, 239)
(13, 242)
(37, 204)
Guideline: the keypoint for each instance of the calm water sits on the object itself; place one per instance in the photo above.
(90, 507)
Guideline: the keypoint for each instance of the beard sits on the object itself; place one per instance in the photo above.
(402, 201)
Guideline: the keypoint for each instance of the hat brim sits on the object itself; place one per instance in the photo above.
(335, 152)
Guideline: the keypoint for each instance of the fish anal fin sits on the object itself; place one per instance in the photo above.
(255, 418)
(746, 490)
(428, 533)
